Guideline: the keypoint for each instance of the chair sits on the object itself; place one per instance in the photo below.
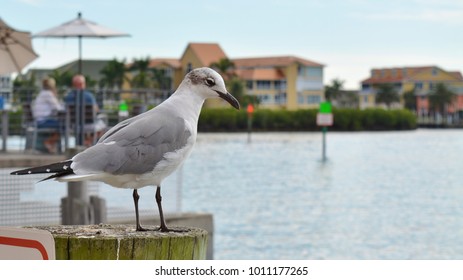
(34, 134)
(89, 118)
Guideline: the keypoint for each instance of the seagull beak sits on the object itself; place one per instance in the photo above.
(229, 98)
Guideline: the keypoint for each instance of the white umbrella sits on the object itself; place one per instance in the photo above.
(80, 28)
(15, 49)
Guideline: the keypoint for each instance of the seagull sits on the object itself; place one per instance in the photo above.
(143, 150)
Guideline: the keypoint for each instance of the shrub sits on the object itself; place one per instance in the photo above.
(305, 120)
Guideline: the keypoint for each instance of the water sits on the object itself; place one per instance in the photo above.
(382, 195)
(385, 195)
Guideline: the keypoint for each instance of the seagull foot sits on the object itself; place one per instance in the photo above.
(139, 228)
(165, 229)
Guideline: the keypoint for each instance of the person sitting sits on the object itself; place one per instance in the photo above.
(98, 126)
(45, 110)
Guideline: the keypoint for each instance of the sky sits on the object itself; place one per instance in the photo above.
(349, 37)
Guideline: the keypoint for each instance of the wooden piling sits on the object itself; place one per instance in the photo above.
(122, 242)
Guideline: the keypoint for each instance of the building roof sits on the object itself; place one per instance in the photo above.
(260, 74)
(207, 53)
(276, 61)
(456, 74)
(172, 62)
(398, 74)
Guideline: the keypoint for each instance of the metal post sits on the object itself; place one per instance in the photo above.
(80, 54)
(250, 111)
(324, 129)
(79, 116)
(4, 129)
(249, 127)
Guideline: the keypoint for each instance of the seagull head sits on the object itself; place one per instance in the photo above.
(209, 84)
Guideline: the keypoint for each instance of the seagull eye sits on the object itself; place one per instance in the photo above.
(210, 82)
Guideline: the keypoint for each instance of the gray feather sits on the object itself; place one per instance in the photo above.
(140, 143)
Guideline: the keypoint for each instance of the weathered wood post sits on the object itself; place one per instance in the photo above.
(122, 242)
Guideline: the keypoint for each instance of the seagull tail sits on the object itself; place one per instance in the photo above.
(61, 168)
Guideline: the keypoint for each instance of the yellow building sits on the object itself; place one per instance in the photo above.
(420, 79)
(282, 82)
(278, 82)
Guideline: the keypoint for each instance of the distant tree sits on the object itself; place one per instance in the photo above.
(62, 79)
(410, 100)
(237, 88)
(334, 90)
(387, 94)
(143, 78)
(113, 74)
(440, 97)
(347, 99)
(21, 81)
(89, 82)
(24, 89)
(160, 79)
(223, 66)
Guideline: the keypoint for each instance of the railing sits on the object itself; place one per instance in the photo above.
(139, 100)
(437, 120)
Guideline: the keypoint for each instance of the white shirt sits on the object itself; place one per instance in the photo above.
(46, 105)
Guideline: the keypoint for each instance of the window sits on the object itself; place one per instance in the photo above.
(310, 71)
(264, 98)
(434, 71)
(281, 85)
(365, 86)
(263, 84)
(189, 67)
(365, 99)
(249, 85)
(280, 98)
(168, 72)
(418, 86)
(431, 86)
(300, 98)
(313, 99)
(314, 71)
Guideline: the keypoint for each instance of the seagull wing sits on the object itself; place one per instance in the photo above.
(134, 146)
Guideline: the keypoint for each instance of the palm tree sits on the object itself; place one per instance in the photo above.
(237, 88)
(334, 90)
(410, 100)
(62, 79)
(160, 79)
(142, 79)
(387, 94)
(440, 97)
(223, 66)
(113, 74)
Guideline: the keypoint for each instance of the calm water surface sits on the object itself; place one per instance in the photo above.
(384, 195)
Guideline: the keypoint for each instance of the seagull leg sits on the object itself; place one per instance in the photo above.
(163, 226)
(135, 200)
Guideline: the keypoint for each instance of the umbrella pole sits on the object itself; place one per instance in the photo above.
(79, 70)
